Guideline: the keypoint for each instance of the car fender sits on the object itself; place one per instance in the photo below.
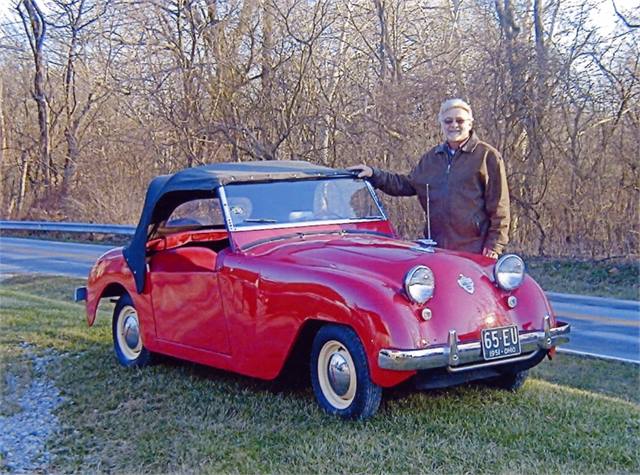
(267, 305)
(111, 277)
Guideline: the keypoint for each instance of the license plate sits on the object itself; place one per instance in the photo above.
(500, 342)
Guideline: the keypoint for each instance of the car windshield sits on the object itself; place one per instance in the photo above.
(302, 201)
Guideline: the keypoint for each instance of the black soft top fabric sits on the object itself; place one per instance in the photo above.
(166, 192)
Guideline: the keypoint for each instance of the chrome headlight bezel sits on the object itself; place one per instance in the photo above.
(419, 284)
(509, 272)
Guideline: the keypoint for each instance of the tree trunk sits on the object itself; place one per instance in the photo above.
(36, 33)
(22, 190)
(3, 146)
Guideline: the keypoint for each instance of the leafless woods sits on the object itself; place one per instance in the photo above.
(98, 96)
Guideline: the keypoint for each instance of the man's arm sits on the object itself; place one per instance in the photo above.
(391, 183)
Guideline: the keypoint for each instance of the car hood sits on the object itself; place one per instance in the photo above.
(373, 257)
(465, 297)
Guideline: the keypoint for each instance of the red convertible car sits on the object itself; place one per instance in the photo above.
(249, 266)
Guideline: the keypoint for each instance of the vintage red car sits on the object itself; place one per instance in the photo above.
(249, 266)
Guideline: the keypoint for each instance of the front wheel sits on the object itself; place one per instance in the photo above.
(340, 374)
(127, 339)
(511, 381)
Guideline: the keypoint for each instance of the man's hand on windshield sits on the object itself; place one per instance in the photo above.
(364, 171)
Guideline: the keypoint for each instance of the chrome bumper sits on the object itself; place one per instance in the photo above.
(462, 357)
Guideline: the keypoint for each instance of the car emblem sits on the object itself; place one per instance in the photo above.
(466, 283)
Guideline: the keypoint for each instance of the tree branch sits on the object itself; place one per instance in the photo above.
(623, 18)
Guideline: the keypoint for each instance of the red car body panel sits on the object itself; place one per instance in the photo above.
(242, 308)
(110, 270)
(186, 299)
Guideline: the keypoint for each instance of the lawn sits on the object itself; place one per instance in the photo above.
(573, 415)
(615, 278)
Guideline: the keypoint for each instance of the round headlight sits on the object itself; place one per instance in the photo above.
(419, 284)
(509, 272)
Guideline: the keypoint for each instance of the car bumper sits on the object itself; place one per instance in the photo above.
(467, 356)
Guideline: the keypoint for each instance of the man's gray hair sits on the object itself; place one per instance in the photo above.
(455, 103)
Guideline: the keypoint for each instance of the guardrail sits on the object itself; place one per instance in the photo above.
(121, 229)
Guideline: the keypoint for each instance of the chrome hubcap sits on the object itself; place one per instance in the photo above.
(339, 374)
(131, 332)
(128, 333)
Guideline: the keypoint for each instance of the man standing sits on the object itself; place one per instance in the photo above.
(468, 192)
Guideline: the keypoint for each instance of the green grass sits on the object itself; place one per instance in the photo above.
(615, 379)
(573, 415)
(609, 278)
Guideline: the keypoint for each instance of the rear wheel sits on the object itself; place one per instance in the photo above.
(511, 381)
(127, 339)
(340, 374)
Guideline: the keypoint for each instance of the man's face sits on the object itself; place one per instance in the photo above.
(456, 124)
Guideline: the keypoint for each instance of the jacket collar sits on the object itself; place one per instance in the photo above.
(468, 147)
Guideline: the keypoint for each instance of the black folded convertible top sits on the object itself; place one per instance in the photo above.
(166, 192)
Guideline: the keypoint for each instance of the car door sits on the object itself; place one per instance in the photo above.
(185, 288)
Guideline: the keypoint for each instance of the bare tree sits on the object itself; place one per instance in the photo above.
(73, 20)
(124, 91)
(35, 29)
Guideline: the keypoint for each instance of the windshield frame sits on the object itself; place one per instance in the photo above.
(231, 227)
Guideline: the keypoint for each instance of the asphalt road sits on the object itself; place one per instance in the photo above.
(23, 256)
(600, 327)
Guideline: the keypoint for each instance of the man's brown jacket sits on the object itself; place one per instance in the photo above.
(469, 197)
